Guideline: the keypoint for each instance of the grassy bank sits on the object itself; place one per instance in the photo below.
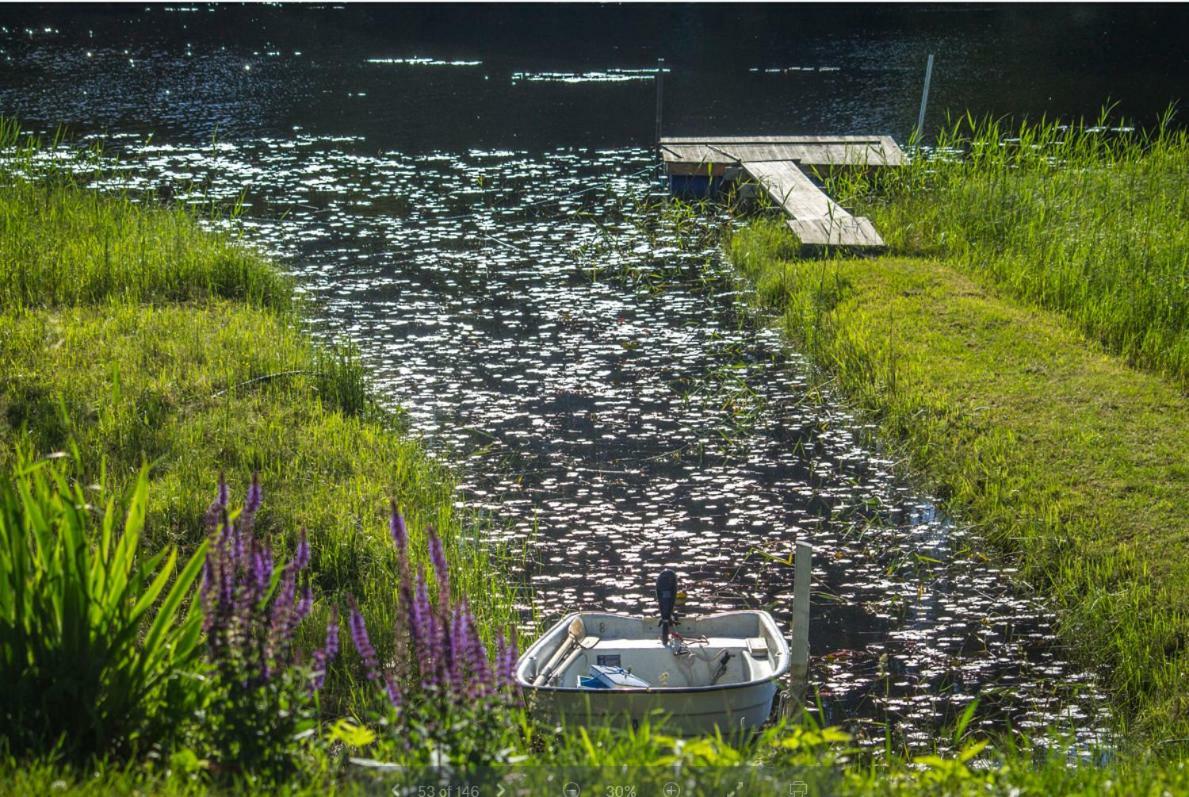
(1062, 452)
(1088, 221)
(130, 336)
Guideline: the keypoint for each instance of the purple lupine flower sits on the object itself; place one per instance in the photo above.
(227, 564)
(255, 495)
(219, 589)
(434, 674)
(398, 530)
(363, 645)
(501, 658)
(505, 658)
(251, 570)
(213, 606)
(206, 593)
(283, 620)
(304, 605)
(421, 630)
(454, 648)
(438, 556)
(475, 653)
(262, 566)
(237, 538)
(250, 639)
(332, 635)
(301, 557)
(390, 687)
(211, 518)
(286, 593)
(324, 656)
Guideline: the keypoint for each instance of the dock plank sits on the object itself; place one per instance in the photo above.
(848, 230)
(766, 139)
(816, 219)
(807, 150)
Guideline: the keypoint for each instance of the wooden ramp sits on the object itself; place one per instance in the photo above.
(815, 218)
(773, 163)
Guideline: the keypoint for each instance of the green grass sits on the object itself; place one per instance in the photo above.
(1063, 454)
(647, 758)
(63, 248)
(184, 350)
(1077, 219)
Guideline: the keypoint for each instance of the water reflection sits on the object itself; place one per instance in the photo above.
(537, 77)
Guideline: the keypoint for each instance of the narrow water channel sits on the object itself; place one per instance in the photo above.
(576, 346)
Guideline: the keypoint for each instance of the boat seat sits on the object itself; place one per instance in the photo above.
(718, 643)
(757, 646)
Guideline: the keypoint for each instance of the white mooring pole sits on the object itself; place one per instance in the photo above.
(660, 97)
(924, 99)
(799, 666)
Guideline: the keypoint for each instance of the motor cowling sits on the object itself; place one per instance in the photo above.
(666, 596)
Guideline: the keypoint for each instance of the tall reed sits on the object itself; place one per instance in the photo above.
(69, 247)
(1086, 218)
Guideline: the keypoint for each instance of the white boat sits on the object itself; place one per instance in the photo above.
(722, 671)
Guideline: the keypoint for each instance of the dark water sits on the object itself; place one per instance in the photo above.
(468, 194)
(198, 71)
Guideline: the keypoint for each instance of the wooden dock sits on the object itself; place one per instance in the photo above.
(774, 164)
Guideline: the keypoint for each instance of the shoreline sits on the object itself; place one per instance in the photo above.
(129, 331)
(1022, 427)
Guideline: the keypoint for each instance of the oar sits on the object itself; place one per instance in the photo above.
(574, 635)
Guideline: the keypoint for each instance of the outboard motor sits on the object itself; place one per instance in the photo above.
(666, 595)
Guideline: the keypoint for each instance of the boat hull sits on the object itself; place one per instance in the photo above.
(740, 709)
(727, 681)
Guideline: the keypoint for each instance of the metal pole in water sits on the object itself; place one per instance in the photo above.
(924, 99)
(660, 96)
(799, 666)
